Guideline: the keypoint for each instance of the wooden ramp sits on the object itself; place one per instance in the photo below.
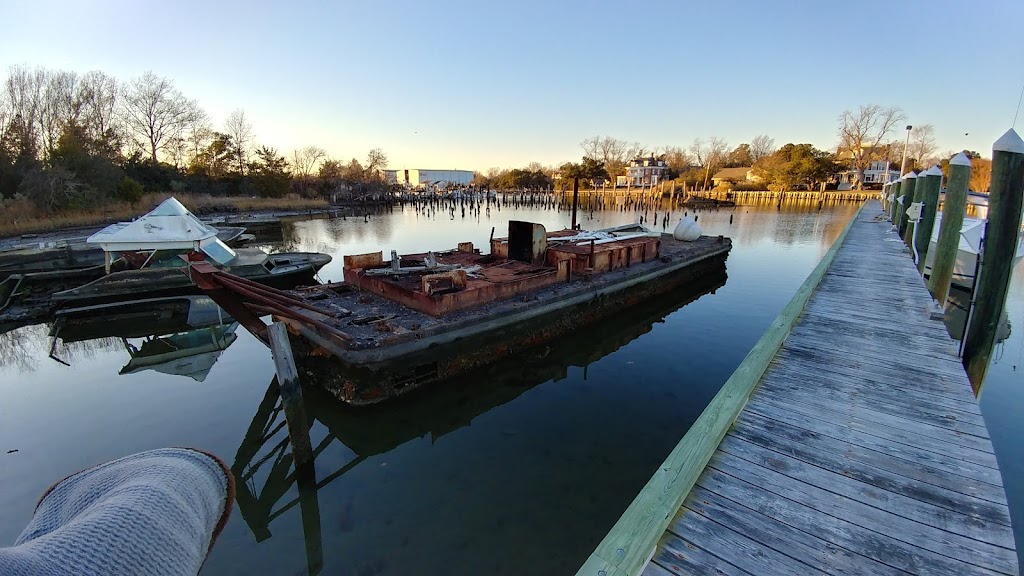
(862, 451)
(848, 441)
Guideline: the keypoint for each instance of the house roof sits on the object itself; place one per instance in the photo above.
(732, 173)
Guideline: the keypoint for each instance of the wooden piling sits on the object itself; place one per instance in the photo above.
(952, 220)
(1006, 193)
(575, 199)
(909, 186)
(895, 197)
(291, 393)
(929, 197)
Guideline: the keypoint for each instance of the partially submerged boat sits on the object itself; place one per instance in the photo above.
(78, 258)
(155, 243)
(396, 325)
(144, 260)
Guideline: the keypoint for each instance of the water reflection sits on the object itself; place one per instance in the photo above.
(441, 409)
(183, 337)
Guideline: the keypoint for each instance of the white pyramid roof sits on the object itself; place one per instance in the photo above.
(169, 226)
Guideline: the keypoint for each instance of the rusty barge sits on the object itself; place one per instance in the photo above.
(393, 326)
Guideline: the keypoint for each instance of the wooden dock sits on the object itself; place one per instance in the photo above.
(861, 449)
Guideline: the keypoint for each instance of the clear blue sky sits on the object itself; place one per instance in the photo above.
(477, 84)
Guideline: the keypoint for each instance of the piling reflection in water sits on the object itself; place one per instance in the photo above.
(435, 411)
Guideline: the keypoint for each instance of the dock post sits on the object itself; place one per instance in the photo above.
(291, 393)
(949, 233)
(894, 204)
(575, 199)
(929, 196)
(1000, 246)
(909, 186)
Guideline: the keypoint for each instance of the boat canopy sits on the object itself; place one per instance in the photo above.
(170, 226)
(971, 232)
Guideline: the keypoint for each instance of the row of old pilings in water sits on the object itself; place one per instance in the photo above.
(911, 204)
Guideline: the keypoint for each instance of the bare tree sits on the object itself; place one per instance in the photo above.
(305, 160)
(710, 154)
(100, 96)
(677, 159)
(156, 112)
(240, 131)
(60, 108)
(613, 153)
(861, 134)
(198, 134)
(761, 146)
(922, 145)
(23, 90)
(376, 161)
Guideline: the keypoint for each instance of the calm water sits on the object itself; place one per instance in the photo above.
(521, 467)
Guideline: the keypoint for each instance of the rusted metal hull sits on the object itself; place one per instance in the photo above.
(373, 382)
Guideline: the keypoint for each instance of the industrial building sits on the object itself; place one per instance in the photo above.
(419, 178)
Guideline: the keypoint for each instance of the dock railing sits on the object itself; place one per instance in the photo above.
(631, 542)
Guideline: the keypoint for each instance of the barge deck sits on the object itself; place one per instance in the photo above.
(381, 334)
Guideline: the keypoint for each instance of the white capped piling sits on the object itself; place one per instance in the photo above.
(291, 393)
(1006, 193)
(907, 191)
(894, 204)
(949, 232)
(929, 198)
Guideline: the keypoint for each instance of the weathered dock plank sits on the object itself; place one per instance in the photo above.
(861, 449)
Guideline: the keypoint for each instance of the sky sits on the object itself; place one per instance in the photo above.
(473, 85)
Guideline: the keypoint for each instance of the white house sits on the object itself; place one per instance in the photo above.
(420, 178)
(645, 172)
(877, 173)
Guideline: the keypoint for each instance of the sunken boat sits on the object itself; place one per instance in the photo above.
(152, 251)
(394, 326)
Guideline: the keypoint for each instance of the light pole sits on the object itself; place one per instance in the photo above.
(903, 164)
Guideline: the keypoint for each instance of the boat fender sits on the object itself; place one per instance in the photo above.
(687, 230)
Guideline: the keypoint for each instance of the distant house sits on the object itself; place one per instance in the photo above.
(644, 172)
(740, 175)
(877, 174)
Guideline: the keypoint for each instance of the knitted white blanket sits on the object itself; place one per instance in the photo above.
(154, 513)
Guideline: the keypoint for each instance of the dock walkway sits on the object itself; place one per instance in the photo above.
(860, 451)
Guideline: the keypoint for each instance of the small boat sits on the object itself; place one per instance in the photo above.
(77, 258)
(155, 245)
(971, 234)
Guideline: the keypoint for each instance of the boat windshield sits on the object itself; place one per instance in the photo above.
(218, 250)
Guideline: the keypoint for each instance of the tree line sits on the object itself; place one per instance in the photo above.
(76, 141)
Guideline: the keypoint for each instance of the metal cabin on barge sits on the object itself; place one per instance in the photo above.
(396, 325)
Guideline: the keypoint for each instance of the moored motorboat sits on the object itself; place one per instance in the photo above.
(965, 267)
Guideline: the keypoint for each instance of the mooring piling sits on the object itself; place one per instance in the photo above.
(291, 393)
(1006, 192)
(949, 232)
(895, 200)
(909, 184)
(912, 196)
(929, 198)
